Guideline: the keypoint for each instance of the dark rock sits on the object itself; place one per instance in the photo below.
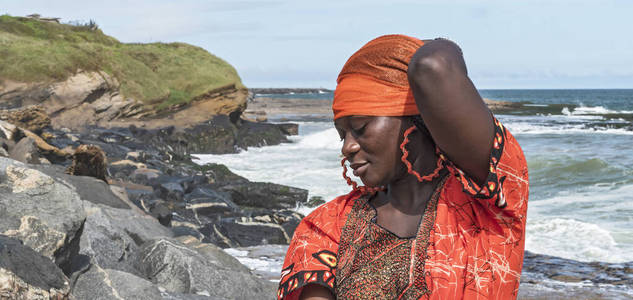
(6, 144)
(315, 201)
(288, 219)
(567, 270)
(25, 151)
(182, 228)
(217, 136)
(289, 128)
(207, 202)
(259, 134)
(201, 269)
(161, 211)
(89, 160)
(266, 195)
(144, 176)
(141, 196)
(3, 150)
(170, 191)
(42, 212)
(245, 232)
(121, 170)
(220, 175)
(100, 283)
(214, 233)
(25, 274)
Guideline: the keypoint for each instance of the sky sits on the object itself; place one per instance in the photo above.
(297, 43)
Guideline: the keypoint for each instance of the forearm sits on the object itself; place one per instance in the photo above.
(456, 116)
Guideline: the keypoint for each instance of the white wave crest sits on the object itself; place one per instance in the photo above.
(327, 139)
(540, 128)
(573, 239)
(593, 110)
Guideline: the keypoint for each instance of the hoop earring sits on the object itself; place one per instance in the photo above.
(405, 154)
(354, 185)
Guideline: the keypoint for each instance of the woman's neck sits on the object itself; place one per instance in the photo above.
(409, 195)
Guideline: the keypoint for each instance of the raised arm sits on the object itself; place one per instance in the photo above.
(457, 118)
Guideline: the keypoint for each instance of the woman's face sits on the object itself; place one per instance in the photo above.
(371, 145)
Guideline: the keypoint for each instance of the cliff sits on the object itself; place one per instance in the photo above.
(81, 76)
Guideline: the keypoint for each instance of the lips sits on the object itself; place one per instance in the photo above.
(358, 167)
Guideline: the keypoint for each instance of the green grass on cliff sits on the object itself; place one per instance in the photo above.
(159, 74)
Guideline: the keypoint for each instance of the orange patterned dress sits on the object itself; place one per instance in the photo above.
(469, 244)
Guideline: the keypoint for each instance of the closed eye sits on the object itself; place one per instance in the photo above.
(360, 130)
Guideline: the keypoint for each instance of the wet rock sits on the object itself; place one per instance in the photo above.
(42, 212)
(120, 171)
(220, 175)
(244, 232)
(144, 176)
(162, 212)
(315, 201)
(103, 283)
(204, 201)
(217, 136)
(201, 270)
(170, 191)
(257, 134)
(289, 128)
(182, 227)
(89, 160)
(288, 219)
(25, 274)
(571, 271)
(265, 195)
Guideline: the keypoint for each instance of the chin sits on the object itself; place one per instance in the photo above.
(371, 182)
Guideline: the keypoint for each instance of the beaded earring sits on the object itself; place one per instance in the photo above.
(354, 185)
(405, 154)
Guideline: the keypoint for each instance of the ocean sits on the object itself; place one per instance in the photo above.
(578, 144)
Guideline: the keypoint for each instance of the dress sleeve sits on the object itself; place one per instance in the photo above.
(311, 256)
(507, 173)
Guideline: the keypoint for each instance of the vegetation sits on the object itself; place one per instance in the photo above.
(160, 74)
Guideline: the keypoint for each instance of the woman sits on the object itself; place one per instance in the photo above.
(442, 212)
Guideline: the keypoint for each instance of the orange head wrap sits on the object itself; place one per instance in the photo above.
(374, 81)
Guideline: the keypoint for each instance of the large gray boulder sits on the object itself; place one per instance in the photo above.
(25, 274)
(112, 237)
(44, 213)
(201, 269)
(105, 284)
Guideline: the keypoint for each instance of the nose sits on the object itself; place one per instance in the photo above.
(350, 145)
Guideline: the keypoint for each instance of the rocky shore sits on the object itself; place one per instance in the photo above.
(124, 212)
